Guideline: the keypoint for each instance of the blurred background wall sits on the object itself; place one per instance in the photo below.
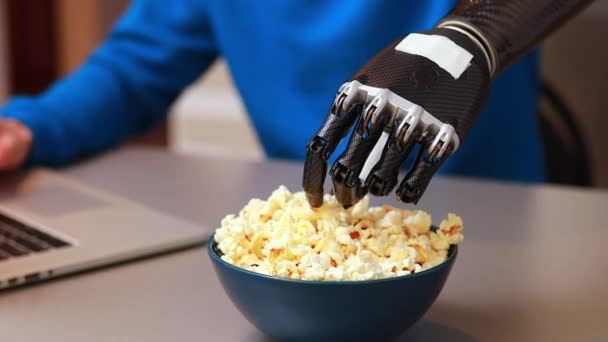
(4, 80)
(576, 63)
(209, 117)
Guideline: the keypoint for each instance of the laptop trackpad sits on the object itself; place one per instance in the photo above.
(52, 200)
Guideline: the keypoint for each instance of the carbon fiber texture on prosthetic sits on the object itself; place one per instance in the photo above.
(423, 82)
(345, 171)
(336, 126)
(359, 147)
(419, 177)
(313, 178)
(321, 146)
(514, 27)
(384, 176)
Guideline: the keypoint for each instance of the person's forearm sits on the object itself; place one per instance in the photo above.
(511, 27)
(125, 87)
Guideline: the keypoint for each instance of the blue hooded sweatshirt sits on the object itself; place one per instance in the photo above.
(287, 59)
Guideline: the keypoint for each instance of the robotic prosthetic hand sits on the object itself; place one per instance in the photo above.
(409, 98)
(427, 88)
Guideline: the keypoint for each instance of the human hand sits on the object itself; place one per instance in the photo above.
(15, 144)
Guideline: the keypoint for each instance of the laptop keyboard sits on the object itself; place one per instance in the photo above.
(18, 239)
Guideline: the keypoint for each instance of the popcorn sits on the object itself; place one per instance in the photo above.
(284, 237)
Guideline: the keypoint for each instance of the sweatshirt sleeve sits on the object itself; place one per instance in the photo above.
(126, 85)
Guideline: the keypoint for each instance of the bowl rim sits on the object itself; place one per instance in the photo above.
(452, 253)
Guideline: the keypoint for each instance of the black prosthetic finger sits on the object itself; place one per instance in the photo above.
(336, 125)
(427, 163)
(315, 168)
(384, 176)
(348, 188)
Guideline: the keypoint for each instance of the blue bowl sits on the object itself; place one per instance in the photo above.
(301, 310)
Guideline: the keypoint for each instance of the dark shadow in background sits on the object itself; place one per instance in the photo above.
(422, 331)
(32, 46)
(426, 330)
(566, 151)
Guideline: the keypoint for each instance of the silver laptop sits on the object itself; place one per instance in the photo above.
(51, 225)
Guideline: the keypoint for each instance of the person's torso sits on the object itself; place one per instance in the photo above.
(288, 59)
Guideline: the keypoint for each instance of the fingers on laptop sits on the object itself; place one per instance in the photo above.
(15, 144)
